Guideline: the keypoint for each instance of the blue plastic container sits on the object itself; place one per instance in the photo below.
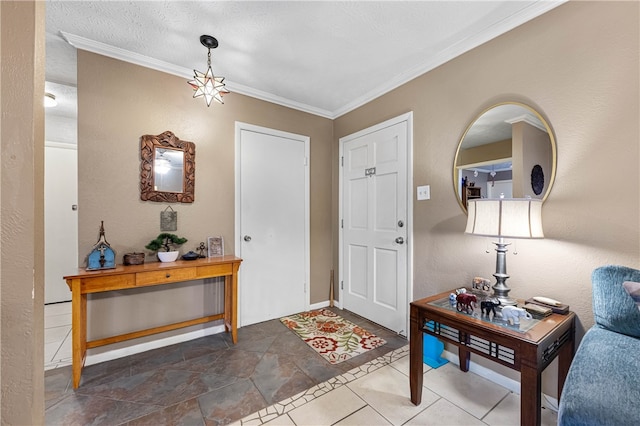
(431, 350)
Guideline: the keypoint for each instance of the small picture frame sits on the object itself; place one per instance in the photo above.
(215, 246)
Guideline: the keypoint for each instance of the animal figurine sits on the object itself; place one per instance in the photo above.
(466, 302)
(489, 306)
(480, 283)
(513, 314)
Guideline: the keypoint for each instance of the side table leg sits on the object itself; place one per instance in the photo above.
(464, 356)
(565, 356)
(530, 396)
(415, 357)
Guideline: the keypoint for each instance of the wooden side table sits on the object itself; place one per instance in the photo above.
(529, 351)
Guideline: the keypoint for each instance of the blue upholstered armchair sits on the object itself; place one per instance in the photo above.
(603, 384)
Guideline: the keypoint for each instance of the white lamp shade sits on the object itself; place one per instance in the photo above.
(505, 217)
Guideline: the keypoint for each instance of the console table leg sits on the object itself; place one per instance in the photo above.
(234, 304)
(530, 396)
(78, 331)
(415, 358)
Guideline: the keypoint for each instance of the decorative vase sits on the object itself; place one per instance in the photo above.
(168, 256)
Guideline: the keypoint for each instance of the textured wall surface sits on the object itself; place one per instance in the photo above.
(577, 65)
(22, 213)
(132, 101)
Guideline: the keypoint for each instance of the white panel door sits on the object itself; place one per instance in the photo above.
(375, 220)
(60, 220)
(272, 208)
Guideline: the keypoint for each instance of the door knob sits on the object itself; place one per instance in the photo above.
(247, 238)
(400, 240)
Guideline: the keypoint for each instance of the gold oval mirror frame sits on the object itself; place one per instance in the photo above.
(509, 149)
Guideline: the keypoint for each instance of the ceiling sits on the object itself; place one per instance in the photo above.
(322, 57)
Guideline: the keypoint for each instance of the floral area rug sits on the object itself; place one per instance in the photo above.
(333, 337)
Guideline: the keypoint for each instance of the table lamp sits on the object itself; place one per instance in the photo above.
(504, 218)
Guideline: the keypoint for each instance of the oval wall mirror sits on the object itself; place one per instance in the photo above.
(508, 150)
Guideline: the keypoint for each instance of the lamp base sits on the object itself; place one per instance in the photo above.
(505, 301)
(500, 288)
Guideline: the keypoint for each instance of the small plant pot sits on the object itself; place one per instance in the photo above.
(168, 256)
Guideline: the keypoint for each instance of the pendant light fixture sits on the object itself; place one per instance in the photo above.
(206, 84)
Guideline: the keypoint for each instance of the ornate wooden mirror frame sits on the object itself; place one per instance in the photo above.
(148, 145)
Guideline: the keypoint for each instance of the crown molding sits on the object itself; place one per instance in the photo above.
(145, 61)
(525, 15)
(446, 55)
(527, 118)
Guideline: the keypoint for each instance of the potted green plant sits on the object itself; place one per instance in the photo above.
(164, 244)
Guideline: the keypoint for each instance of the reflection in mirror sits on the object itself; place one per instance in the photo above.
(510, 151)
(167, 169)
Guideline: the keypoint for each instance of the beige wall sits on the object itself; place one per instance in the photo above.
(118, 102)
(22, 212)
(578, 65)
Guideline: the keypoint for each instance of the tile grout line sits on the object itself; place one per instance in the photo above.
(285, 406)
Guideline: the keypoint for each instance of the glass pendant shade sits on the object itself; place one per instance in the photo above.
(206, 84)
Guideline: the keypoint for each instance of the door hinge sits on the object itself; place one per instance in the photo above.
(306, 161)
(342, 161)
(342, 223)
(341, 285)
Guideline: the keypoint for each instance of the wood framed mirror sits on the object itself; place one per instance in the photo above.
(509, 149)
(167, 169)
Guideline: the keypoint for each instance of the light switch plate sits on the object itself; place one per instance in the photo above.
(424, 192)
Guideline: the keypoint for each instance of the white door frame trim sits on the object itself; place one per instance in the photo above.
(239, 127)
(408, 118)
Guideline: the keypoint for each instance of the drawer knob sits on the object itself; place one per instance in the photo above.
(168, 276)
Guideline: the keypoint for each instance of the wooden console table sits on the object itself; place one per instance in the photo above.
(528, 352)
(148, 274)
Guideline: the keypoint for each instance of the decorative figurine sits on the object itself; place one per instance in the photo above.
(466, 302)
(201, 249)
(480, 283)
(102, 256)
(513, 314)
(489, 306)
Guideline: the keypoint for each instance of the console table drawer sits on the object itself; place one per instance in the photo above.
(167, 276)
(108, 283)
(215, 270)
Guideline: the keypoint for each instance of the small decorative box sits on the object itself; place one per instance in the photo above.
(133, 259)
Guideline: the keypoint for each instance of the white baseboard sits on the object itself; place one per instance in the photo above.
(319, 305)
(548, 402)
(497, 378)
(142, 347)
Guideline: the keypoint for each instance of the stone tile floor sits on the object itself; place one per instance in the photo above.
(271, 377)
(203, 381)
